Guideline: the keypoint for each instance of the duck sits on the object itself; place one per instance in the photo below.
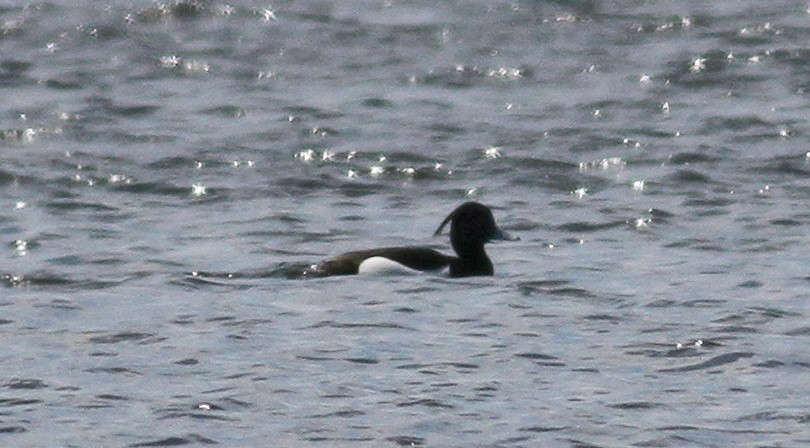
(472, 225)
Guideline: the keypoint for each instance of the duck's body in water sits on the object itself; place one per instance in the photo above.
(471, 226)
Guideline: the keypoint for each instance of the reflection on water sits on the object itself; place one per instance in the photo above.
(166, 166)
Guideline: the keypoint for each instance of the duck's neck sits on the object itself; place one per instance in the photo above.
(472, 261)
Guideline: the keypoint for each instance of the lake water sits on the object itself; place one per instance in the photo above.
(162, 164)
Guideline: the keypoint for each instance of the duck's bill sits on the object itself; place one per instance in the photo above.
(503, 235)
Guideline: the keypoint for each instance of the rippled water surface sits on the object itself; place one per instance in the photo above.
(163, 164)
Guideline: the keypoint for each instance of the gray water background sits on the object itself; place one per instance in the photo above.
(652, 156)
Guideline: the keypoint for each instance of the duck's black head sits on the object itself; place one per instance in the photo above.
(471, 226)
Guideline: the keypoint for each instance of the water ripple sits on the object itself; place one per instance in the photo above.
(716, 361)
(176, 441)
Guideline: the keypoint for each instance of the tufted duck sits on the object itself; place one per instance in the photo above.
(471, 226)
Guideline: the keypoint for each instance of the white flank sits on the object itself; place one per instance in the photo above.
(384, 266)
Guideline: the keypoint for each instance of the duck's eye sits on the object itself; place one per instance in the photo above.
(477, 228)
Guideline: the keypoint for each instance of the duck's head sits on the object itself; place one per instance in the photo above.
(471, 226)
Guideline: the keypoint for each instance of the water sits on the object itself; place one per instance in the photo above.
(652, 157)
